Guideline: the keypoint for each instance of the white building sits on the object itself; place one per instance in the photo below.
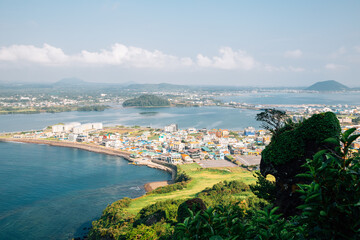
(57, 128)
(171, 128)
(97, 126)
(78, 129)
(87, 126)
(72, 137)
(69, 126)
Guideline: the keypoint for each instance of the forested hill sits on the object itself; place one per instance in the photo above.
(146, 101)
(328, 86)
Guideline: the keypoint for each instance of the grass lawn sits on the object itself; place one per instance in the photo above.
(201, 179)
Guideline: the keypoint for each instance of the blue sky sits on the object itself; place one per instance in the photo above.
(245, 43)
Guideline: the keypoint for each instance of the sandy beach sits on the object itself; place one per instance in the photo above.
(100, 149)
(154, 185)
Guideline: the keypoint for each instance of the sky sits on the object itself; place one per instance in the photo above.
(242, 43)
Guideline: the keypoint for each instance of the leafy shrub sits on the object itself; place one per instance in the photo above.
(170, 188)
(290, 143)
(114, 222)
(142, 232)
(225, 187)
(264, 188)
(182, 177)
(181, 182)
(331, 208)
(163, 210)
(185, 209)
(232, 222)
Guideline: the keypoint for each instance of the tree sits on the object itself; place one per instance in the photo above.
(272, 119)
(331, 208)
(287, 152)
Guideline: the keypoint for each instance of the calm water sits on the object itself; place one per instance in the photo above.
(199, 117)
(53, 193)
(350, 98)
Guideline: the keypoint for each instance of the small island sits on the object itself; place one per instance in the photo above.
(146, 100)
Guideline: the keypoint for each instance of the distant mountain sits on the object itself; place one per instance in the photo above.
(158, 87)
(70, 82)
(146, 100)
(328, 86)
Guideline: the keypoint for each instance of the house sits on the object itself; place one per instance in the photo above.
(194, 153)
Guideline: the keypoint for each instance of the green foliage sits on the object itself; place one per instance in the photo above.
(181, 176)
(114, 222)
(272, 119)
(96, 108)
(142, 232)
(181, 182)
(233, 160)
(291, 143)
(225, 187)
(146, 100)
(264, 188)
(224, 193)
(167, 210)
(170, 188)
(331, 208)
(233, 222)
(230, 158)
(186, 208)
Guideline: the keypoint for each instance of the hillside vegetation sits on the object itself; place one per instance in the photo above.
(118, 218)
(146, 100)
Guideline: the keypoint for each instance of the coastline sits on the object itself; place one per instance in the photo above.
(102, 150)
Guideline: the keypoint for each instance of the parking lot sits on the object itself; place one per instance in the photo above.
(215, 163)
(248, 160)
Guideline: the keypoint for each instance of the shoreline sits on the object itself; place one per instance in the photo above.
(102, 150)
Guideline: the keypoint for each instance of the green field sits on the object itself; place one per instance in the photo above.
(201, 179)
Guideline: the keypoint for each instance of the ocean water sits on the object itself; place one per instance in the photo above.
(199, 117)
(350, 98)
(55, 193)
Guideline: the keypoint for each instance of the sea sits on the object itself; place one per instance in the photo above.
(52, 192)
(185, 117)
(198, 117)
(335, 98)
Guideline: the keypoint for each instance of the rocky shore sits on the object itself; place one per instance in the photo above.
(103, 150)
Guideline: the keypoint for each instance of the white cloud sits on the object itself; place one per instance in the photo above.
(135, 57)
(45, 55)
(118, 54)
(335, 67)
(228, 59)
(339, 52)
(132, 57)
(293, 53)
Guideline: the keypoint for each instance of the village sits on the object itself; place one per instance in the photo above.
(208, 147)
(170, 144)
